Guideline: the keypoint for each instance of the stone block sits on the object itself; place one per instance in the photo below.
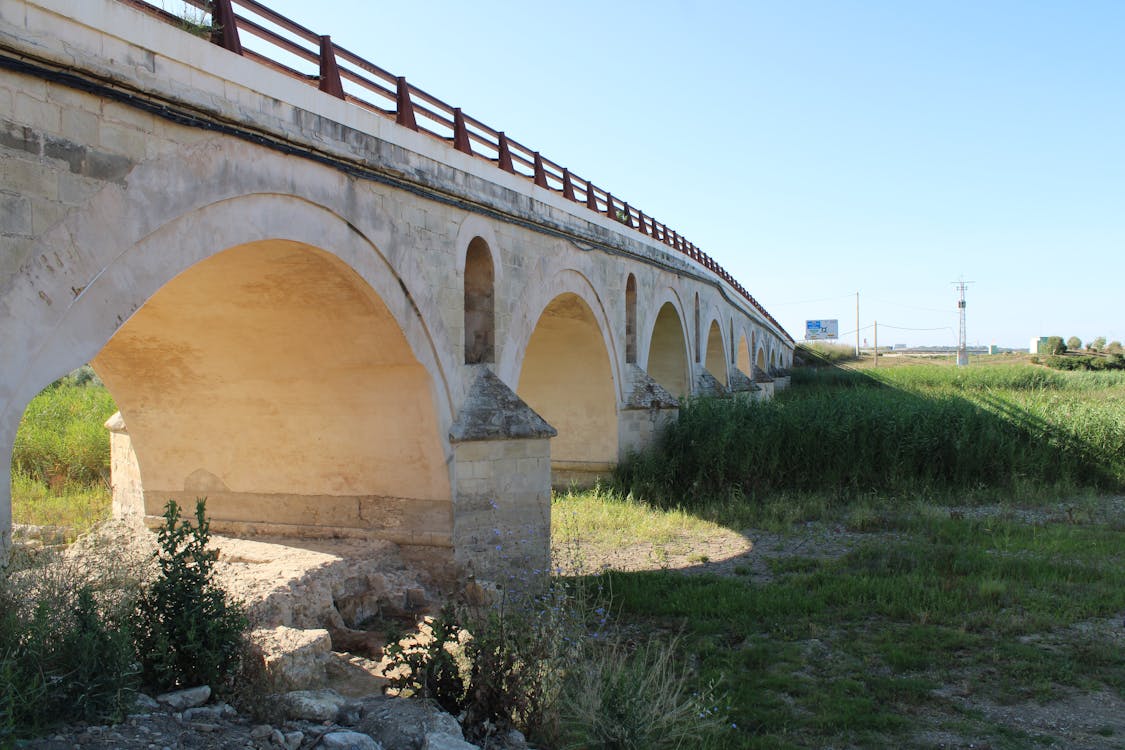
(41, 114)
(296, 658)
(15, 214)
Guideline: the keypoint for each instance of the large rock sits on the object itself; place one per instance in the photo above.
(443, 741)
(297, 659)
(348, 741)
(404, 723)
(180, 700)
(313, 705)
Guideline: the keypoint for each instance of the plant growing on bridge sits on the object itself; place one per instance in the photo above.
(188, 632)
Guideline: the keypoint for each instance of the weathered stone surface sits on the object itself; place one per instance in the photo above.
(646, 393)
(313, 705)
(295, 658)
(187, 698)
(707, 385)
(492, 411)
(348, 741)
(761, 376)
(740, 382)
(443, 741)
(404, 723)
(143, 703)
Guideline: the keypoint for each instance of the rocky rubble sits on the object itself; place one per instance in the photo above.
(310, 602)
(312, 720)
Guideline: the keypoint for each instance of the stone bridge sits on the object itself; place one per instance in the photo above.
(329, 302)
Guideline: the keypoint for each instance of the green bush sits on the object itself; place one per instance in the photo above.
(66, 654)
(1055, 345)
(499, 667)
(187, 631)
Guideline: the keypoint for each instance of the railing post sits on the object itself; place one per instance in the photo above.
(504, 154)
(591, 200)
(405, 114)
(460, 132)
(540, 172)
(609, 207)
(641, 222)
(628, 216)
(330, 82)
(224, 30)
(568, 186)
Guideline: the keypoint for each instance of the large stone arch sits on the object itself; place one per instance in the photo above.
(271, 379)
(567, 375)
(98, 268)
(669, 350)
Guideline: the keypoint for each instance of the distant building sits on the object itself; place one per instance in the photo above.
(1038, 345)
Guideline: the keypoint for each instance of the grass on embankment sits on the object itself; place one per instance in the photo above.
(60, 461)
(921, 430)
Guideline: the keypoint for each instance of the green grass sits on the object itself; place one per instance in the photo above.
(913, 430)
(60, 460)
(847, 652)
(602, 518)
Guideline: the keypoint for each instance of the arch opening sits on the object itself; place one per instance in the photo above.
(631, 319)
(272, 379)
(667, 355)
(695, 330)
(743, 358)
(566, 377)
(761, 360)
(716, 361)
(480, 304)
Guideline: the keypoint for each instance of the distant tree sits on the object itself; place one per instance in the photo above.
(1055, 345)
(1097, 344)
(1073, 344)
(1115, 348)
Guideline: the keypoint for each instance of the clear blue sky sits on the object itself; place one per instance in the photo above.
(817, 149)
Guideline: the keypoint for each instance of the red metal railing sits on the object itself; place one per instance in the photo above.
(348, 76)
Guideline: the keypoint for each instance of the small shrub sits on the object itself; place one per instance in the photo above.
(499, 667)
(187, 631)
(66, 653)
(431, 665)
(624, 699)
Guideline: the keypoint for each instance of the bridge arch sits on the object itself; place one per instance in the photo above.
(716, 357)
(742, 360)
(567, 374)
(668, 349)
(147, 312)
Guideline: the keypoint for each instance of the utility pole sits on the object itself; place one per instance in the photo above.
(962, 348)
(876, 343)
(857, 325)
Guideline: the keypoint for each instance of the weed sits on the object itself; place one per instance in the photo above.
(638, 699)
(187, 631)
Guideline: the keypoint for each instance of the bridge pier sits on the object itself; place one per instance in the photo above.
(501, 485)
(645, 412)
